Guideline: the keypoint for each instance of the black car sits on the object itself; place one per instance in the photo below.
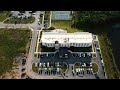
(23, 74)
(24, 60)
(41, 55)
(72, 67)
(23, 69)
(97, 76)
(23, 63)
(41, 15)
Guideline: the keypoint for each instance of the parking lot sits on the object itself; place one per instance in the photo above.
(72, 58)
(53, 68)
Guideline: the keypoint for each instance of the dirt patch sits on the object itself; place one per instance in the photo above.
(12, 74)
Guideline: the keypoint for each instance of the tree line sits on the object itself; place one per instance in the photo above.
(93, 18)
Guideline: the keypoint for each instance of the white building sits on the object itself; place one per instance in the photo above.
(60, 38)
(61, 15)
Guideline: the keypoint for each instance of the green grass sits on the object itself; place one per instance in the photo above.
(64, 25)
(4, 15)
(12, 43)
(76, 65)
(20, 21)
(108, 58)
(95, 67)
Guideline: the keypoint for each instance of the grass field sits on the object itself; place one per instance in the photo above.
(3, 15)
(20, 21)
(12, 43)
(65, 25)
(108, 58)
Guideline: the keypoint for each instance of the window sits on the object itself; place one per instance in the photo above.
(48, 45)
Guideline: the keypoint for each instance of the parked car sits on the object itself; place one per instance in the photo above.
(98, 49)
(47, 55)
(41, 55)
(33, 13)
(23, 69)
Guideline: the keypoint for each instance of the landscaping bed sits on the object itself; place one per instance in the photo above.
(76, 65)
(64, 68)
(95, 67)
(81, 49)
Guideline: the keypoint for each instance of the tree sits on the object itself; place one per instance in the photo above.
(92, 18)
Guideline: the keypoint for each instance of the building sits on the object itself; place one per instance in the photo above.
(61, 15)
(60, 38)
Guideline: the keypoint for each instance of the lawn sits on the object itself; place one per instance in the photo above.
(20, 21)
(4, 15)
(12, 43)
(95, 67)
(65, 25)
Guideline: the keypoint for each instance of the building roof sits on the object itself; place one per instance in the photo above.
(63, 37)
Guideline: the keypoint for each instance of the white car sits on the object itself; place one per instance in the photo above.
(43, 64)
(58, 69)
(102, 61)
(47, 55)
(89, 54)
(39, 64)
(33, 13)
(76, 70)
(48, 64)
(98, 49)
(57, 64)
(80, 69)
(80, 55)
(91, 69)
(84, 65)
(83, 54)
